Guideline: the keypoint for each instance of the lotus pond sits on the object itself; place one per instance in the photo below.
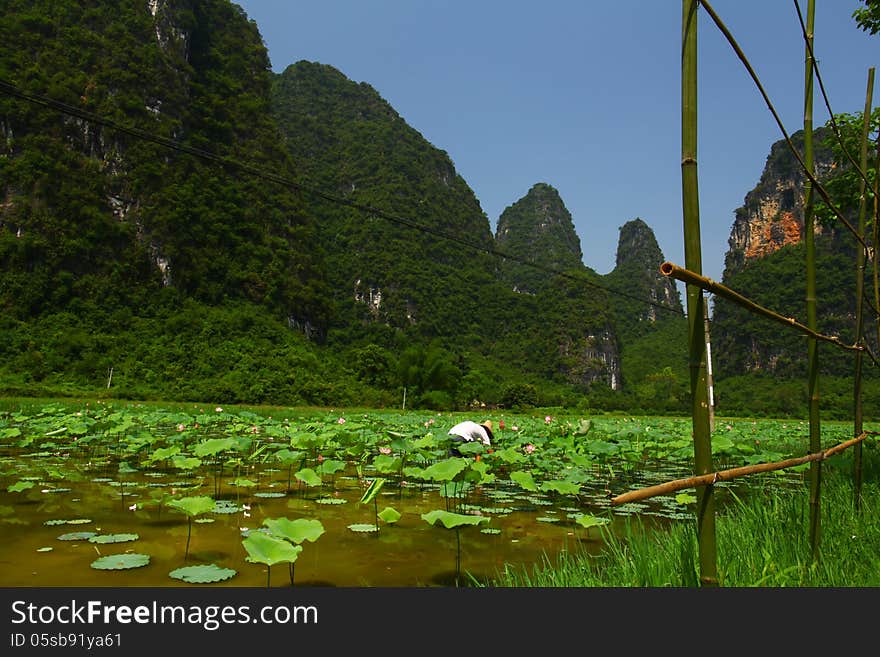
(100, 493)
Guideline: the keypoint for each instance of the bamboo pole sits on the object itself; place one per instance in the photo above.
(810, 245)
(860, 287)
(733, 473)
(686, 276)
(693, 259)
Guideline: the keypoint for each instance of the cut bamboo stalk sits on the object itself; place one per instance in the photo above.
(686, 276)
(733, 473)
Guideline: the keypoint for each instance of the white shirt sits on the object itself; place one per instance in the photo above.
(470, 431)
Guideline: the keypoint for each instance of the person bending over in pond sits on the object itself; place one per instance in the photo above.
(468, 431)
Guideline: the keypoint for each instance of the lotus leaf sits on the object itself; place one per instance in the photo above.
(451, 520)
(299, 530)
(563, 487)
(213, 446)
(363, 527)
(121, 561)
(19, 486)
(590, 521)
(204, 574)
(76, 536)
(331, 500)
(268, 549)
(113, 538)
(193, 506)
(308, 476)
(372, 490)
(524, 479)
(446, 469)
(390, 515)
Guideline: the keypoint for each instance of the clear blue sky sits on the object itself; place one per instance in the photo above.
(585, 96)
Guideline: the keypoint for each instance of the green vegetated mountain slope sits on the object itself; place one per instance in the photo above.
(759, 362)
(357, 264)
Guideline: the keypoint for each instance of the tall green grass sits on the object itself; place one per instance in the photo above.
(763, 541)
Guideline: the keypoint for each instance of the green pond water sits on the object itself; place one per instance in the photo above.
(52, 532)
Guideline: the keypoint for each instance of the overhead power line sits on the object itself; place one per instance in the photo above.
(70, 110)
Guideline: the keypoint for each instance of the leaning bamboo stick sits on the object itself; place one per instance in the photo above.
(686, 276)
(733, 473)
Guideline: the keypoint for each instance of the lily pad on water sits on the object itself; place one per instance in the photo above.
(225, 506)
(19, 486)
(363, 527)
(490, 530)
(75, 521)
(204, 521)
(113, 538)
(269, 495)
(205, 574)
(121, 561)
(590, 521)
(45, 549)
(331, 500)
(77, 536)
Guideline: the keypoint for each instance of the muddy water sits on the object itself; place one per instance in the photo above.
(45, 529)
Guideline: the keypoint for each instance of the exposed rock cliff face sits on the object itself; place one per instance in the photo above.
(537, 229)
(773, 213)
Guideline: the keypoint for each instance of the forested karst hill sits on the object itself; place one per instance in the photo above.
(135, 249)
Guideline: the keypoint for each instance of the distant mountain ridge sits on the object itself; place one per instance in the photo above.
(311, 298)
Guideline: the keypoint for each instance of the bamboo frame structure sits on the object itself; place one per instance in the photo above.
(733, 473)
(860, 293)
(686, 276)
(702, 435)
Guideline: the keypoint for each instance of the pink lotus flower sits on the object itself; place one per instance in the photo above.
(181, 427)
(219, 409)
(515, 428)
(547, 419)
(529, 448)
(340, 420)
(384, 450)
(500, 424)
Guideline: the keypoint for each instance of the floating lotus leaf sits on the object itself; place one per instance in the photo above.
(77, 536)
(193, 506)
(451, 520)
(204, 521)
(225, 506)
(113, 538)
(204, 574)
(299, 530)
(19, 486)
(121, 561)
(56, 490)
(363, 527)
(308, 476)
(244, 483)
(490, 530)
(268, 549)
(546, 519)
(331, 500)
(163, 453)
(75, 521)
(269, 494)
(390, 515)
(45, 549)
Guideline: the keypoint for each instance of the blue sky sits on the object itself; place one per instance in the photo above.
(585, 96)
